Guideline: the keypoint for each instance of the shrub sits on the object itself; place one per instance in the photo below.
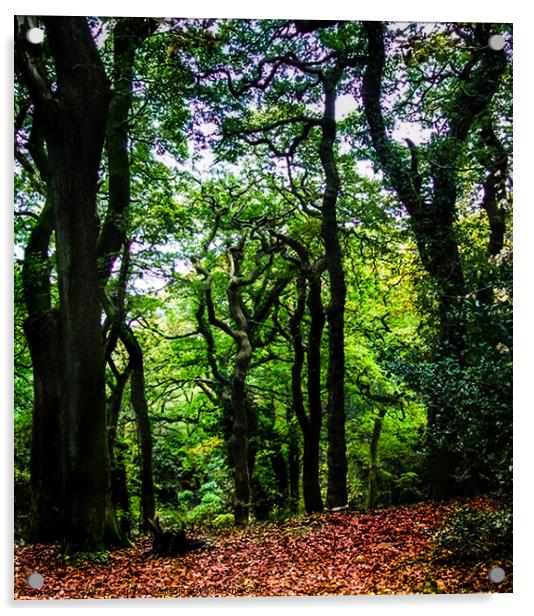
(223, 520)
(474, 535)
(172, 520)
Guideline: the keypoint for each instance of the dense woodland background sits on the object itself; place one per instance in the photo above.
(263, 267)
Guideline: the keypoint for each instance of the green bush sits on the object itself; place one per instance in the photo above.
(474, 535)
(223, 520)
(210, 506)
(472, 408)
(172, 520)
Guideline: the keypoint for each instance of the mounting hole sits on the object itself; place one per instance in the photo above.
(496, 42)
(35, 580)
(35, 36)
(496, 575)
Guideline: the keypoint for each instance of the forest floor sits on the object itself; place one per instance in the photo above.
(388, 551)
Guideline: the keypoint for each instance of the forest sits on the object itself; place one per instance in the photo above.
(263, 307)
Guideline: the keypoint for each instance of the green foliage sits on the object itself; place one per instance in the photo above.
(23, 397)
(474, 535)
(400, 454)
(204, 507)
(223, 520)
(224, 152)
(172, 520)
(409, 486)
(268, 500)
(481, 390)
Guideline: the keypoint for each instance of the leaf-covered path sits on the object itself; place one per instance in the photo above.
(387, 551)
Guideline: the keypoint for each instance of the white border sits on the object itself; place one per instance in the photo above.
(515, 11)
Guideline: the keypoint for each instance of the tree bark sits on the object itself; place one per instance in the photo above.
(311, 426)
(73, 121)
(239, 440)
(242, 334)
(335, 381)
(495, 160)
(293, 462)
(238, 443)
(119, 487)
(42, 333)
(136, 373)
(140, 406)
(128, 35)
(308, 294)
(313, 353)
(297, 399)
(46, 463)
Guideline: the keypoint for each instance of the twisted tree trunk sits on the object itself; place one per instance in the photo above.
(432, 220)
(335, 380)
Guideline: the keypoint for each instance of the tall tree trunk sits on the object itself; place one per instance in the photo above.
(298, 409)
(128, 35)
(293, 462)
(242, 333)
(335, 382)
(493, 157)
(310, 427)
(73, 121)
(87, 462)
(42, 333)
(238, 440)
(313, 352)
(119, 487)
(140, 406)
(46, 464)
(238, 445)
(116, 313)
(136, 372)
(308, 294)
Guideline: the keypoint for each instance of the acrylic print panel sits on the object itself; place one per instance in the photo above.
(262, 307)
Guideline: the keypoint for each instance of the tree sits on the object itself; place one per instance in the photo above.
(432, 210)
(73, 120)
(309, 294)
(244, 334)
(128, 36)
(283, 129)
(276, 222)
(41, 328)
